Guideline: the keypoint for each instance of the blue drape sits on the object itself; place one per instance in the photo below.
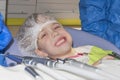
(101, 18)
(5, 38)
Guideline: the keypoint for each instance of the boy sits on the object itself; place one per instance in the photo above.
(43, 35)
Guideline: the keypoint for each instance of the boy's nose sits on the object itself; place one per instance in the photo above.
(54, 33)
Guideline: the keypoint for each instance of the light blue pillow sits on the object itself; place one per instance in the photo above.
(81, 38)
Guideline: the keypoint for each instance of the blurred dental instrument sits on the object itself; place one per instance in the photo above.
(115, 55)
(85, 66)
(54, 64)
(33, 61)
(32, 72)
(80, 68)
(70, 65)
(49, 71)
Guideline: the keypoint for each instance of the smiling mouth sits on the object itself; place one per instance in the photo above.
(60, 41)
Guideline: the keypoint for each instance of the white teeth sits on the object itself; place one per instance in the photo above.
(60, 42)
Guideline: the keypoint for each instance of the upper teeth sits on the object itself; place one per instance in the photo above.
(59, 42)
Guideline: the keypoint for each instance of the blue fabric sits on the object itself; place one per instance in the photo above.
(3, 60)
(101, 18)
(5, 35)
(5, 38)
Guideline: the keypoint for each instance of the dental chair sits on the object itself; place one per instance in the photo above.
(80, 38)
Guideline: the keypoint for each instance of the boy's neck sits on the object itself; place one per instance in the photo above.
(72, 52)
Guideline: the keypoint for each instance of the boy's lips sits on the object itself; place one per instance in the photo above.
(60, 41)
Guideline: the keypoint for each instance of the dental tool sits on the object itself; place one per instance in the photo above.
(57, 64)
(115, 55)
(63, 67)
(41, 66)
(83, 66)
(49, 71)
(31, 71)
(39, 63)
(16, 58)
(68, 65)
(73, 63)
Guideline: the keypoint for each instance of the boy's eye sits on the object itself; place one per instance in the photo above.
(43, 35)
(57, 27)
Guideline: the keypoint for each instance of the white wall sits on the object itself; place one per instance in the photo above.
(58, 8)
(3, 7)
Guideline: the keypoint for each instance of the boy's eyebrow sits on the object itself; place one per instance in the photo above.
(56, 23)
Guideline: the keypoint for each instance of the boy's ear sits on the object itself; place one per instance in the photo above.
(41, 53)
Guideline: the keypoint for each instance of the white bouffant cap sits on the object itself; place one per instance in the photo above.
(28, 32)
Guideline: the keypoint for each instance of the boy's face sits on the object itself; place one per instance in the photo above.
(54, 41)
